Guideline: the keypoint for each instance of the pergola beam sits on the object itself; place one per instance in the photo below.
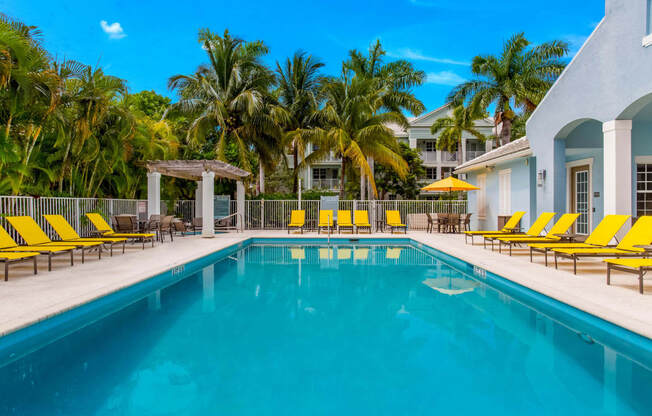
(202, 171)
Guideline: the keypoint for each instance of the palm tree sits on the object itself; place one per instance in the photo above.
(517, 79)
(452, 128)
(356, 128)
(229, 98)
(396, 78)
(299, 84)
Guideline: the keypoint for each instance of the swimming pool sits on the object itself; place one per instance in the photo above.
(360, 327)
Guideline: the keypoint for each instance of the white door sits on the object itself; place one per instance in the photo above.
(580, 195)
(505, 192)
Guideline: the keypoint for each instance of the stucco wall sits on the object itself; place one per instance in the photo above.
(521, 195)
(611, 71)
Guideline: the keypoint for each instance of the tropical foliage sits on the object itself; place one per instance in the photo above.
(408, 187)
(450, 130)
(514, 82)
(68, 128)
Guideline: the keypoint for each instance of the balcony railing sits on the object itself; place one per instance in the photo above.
(428, 157)
(326, 184)
(472, 154)
(448, 156)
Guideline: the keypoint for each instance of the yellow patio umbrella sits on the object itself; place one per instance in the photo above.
(450, 184)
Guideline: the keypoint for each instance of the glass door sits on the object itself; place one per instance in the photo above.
(581, 198)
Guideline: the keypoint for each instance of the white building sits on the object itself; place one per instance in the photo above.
(588, 148)
(324, 175)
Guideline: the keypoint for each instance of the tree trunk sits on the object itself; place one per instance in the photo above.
(261, 177)
(363, 185)
(372, 167)
(506, 131)
(342, 177)
(295, 156)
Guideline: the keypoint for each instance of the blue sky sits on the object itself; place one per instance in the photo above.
(146, 42)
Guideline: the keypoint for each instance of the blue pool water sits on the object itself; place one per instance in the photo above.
(272, 329)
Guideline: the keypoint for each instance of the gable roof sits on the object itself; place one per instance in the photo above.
(513, 150)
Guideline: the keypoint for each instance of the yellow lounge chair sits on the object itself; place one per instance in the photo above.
(600, 237)
(561, 227)
(636, 266)
(344, 220)
(68, 234)
(640, 234)
(361, 220)
(7, 257)
(325, 219)
(393, 220)
(297, 220)
(105, 230)
(511, 226)
(33, 235)
(534, 231)
(8, 245)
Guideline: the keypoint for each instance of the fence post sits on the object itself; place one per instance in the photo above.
(77, 214)
(262, 214)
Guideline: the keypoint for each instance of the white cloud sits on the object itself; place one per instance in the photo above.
(444, 78)
(114, 30)
(418, 56)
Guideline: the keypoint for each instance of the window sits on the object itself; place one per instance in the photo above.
(446, 172)
(504, 192)
(431, 173)
(430, 146)
(643, 189)
(482, 195)
(319, 173)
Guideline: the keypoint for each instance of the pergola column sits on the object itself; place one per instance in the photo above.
(153, 194)
(198, 199)
(240, 203)
(208, 189)
(617, 176)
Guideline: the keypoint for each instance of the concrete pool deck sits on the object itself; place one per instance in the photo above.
(26, 299)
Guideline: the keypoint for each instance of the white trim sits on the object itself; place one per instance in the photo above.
(569, 166)
(496, 161)
(643, 159)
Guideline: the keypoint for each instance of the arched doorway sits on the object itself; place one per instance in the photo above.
(582, 169)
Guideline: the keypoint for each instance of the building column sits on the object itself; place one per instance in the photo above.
(198, 199)
(240, 204)
(617, 152)
(207, 215)
(153, 194)
(463, 155)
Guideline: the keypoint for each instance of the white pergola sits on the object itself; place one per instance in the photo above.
(202, 171)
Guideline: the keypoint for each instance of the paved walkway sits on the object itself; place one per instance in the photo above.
(26, 298)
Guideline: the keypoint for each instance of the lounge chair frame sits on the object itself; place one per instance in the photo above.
(8, 261)
(639, 271)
